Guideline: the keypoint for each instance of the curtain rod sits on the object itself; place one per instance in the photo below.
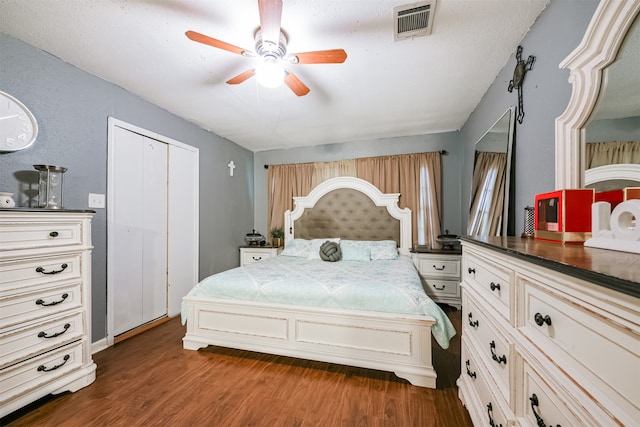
(443, 152)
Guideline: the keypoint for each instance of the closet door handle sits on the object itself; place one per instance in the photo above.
(42, 303)
(62, 268)
(54, 234)
(472, 323)
(541, 320)
(43, 334)
(490, 414)
(534, 402)
(494, 356)
(43, 368)
(471, 374)
(494, 286)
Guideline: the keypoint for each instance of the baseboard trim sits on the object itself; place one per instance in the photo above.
(98, 346)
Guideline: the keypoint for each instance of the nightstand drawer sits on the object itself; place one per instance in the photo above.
(256, 254)
(39, 235)
(442, 268)
(441, 288)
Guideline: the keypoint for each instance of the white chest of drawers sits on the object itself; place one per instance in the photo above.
(45, 285)
(251, 254)
(545, 342)
(440, 275)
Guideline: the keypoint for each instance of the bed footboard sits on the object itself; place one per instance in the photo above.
(383, 341)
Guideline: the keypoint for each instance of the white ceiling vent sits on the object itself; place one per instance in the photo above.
(413, 20)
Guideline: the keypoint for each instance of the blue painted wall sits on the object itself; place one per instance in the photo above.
(72, 107)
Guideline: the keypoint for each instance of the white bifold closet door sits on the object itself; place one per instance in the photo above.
(140, 217)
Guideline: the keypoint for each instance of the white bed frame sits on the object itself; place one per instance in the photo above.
(374, 340)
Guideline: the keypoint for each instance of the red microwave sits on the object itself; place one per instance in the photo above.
(564, 216)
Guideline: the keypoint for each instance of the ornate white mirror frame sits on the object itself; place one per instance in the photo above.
(599, 48)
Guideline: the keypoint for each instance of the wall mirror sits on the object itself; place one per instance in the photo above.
(602, 84)
(489, 207)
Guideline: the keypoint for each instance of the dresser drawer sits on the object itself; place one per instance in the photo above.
(441, 267)
(441, 288)
(18, 276)
(588, 345)
(490, 408)
(21, 344)
(492, 280)
(539, 404)
(492, 346)
(30, 306)
(20, 235)
(35, 372)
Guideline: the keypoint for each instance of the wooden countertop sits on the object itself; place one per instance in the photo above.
(615, 270)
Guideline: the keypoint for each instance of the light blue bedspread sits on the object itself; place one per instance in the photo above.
(391, 286)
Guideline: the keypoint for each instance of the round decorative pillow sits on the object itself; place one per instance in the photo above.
(330, 251)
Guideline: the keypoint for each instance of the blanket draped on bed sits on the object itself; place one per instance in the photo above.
(391, 286)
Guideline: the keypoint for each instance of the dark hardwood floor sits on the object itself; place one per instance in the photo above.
(150, 380)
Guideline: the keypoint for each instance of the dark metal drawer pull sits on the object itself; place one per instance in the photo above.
(534, 402)
(494, 356)
(541, 320)
(490, 413)
(471, 374)
(256, 259)
(43, 334)
(472, 323)
(439, 289)
(62, 268)
(43, 368)
(439, 269)
(42, 303)
(471, 270)
(54, 234)
(494, 286)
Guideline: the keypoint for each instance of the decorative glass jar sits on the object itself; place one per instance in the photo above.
(50, 188)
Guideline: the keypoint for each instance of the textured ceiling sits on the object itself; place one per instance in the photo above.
(384, 88)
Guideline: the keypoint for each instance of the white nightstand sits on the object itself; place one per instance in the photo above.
(440, 274)
(251, 254)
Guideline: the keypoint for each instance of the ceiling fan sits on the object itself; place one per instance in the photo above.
(271, 50)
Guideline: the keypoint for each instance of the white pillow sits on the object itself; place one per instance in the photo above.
(314, 247)
(383, 249)
(297, 248)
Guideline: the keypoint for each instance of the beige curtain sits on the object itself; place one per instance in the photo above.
(487, 194)
(614, 152)
(286, 182)
(327, 170)
(417, 177)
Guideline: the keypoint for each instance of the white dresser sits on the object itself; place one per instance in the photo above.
(440, 275)
(45, 299)
(251, 254)
(551, 334)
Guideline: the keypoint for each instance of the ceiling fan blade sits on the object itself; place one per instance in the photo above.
(296, 85)
(270, 17)
(201, 38)
(332, 56)
(241, 77)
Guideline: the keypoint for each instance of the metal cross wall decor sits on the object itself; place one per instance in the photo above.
(518, 77)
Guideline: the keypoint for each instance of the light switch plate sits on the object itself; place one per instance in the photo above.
(96, 200)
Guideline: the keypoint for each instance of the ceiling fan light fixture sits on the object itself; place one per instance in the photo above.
(270, 73)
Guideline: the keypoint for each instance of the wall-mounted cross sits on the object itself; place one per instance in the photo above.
(518, 78)
(231, 167)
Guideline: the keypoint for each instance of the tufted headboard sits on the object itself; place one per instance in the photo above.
(349, 208)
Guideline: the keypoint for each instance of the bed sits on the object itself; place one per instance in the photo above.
(264, 307)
